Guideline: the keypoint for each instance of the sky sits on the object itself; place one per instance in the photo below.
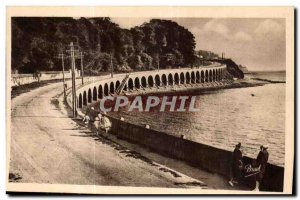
(257, 43)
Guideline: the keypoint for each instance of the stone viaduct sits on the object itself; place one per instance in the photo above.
(136, 81)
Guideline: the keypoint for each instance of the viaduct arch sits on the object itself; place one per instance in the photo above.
(140, 80)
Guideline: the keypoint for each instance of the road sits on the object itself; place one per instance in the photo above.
(47, 146)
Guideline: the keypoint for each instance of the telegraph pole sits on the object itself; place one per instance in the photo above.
(74, 53)
(61, 55)
(81, 57)
(73, 79)
(63, 66)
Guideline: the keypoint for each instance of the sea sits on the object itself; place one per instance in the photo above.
(254, 116)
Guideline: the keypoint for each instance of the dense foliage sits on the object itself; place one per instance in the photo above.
(36, 42)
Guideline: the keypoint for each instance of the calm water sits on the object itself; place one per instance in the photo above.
(229, 116)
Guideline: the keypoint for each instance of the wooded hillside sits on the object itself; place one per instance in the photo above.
(36, 42)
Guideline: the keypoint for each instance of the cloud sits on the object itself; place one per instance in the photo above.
(269, 27)
(242, 36)
(217, 27)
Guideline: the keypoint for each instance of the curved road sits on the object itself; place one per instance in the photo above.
(47, 146)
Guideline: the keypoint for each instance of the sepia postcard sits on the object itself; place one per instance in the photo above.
(150, 100)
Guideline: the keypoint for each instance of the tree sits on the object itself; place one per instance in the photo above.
(36, 41)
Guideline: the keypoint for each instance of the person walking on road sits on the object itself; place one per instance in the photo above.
(90, 115)
(98, 122)
(104, 123)
(86, 118)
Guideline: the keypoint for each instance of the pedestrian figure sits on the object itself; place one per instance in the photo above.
(236, 165)
(105, 123)
(93, 114)
(89, 115)
(86, 117)
(98, 122)
(266, 153)
(261, 161)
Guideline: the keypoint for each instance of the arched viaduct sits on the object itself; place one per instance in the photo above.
(95, 91)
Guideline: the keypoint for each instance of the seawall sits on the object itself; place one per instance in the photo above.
(199, 155)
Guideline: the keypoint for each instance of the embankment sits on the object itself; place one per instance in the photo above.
(199, 155)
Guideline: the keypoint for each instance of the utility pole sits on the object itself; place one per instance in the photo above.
(81, 57)
(111, 66)
(74, 54)
(63, 69)
(73, 80)
(61, 55)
